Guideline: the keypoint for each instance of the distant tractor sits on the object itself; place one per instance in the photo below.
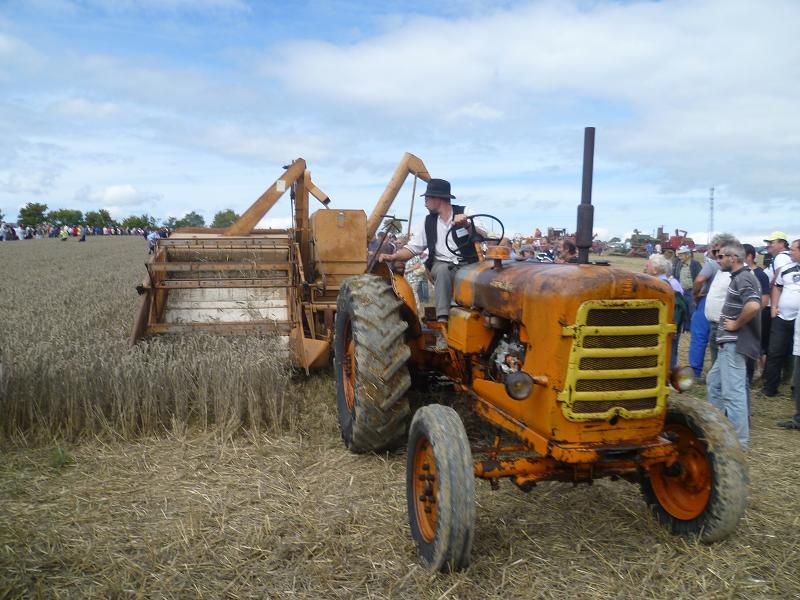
(678, 240)
(567, 363)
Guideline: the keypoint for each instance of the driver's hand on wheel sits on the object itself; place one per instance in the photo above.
(461, 220)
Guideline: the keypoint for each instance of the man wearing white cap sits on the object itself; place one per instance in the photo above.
(785, 301)
(685, 270)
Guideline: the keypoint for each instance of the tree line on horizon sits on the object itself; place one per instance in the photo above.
(36, 213)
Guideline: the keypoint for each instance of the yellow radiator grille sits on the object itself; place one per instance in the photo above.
(618, 360)
(613, 385)
(621, 316)
(603, 363)
(582, 406)
(620, 341)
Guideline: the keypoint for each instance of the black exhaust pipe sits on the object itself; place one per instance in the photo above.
(583, 230)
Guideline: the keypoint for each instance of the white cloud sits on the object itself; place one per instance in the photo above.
(696, 92)
(16, 57)
(276, 144)
(85, 109)
(476, 110)
(118, 199)
(30, 181)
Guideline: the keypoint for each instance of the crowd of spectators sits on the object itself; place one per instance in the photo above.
(745, 314)
(11, 232)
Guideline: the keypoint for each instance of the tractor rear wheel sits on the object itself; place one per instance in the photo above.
(440, 488)
(704, 494)
(370, 363)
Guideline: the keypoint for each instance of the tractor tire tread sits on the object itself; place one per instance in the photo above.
(729, 471)
(381, 417)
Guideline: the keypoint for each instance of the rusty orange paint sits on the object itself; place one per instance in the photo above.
(468, 332)
(425, 488)
(684, 491)
(545, 298)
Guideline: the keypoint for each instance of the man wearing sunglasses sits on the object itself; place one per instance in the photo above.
(738, 338)
(702, 283)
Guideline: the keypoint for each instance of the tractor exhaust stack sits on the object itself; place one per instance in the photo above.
(583, 229)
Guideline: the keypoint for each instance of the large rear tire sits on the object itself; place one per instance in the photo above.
(705, 493)
(370, 363)
(440, 488)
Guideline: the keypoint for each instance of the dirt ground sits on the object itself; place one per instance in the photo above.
(299, 516)
(203, 514)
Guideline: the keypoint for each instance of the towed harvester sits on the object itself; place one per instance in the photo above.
(568, 363)
(279, 281)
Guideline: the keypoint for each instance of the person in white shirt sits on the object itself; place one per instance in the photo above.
(785, 306)
(431, 235)
(713, 308)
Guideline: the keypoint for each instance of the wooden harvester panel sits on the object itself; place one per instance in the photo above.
(281, 281)
(222, 284)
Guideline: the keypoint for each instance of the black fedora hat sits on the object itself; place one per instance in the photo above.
(438, 188)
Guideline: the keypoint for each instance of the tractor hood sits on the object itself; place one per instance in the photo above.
(518, 289)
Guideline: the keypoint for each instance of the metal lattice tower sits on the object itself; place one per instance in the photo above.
(710, 214)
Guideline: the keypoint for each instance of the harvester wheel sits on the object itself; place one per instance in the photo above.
(370, 363)
(440, 488)
(704, 494)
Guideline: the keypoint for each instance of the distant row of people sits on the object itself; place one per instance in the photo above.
(10, 232)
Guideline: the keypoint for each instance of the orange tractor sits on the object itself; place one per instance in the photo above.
(568, 363)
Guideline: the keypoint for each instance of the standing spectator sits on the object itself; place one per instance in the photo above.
(658, 266)
(794, 422)
(778, 248)
(785, 306)
(417, 277)
(715, 300)
(527, 253)
(152, 239)
(546, 254)
(657, 249)
(685, 270)
(649, 248)
(737, 338)
(702, 283)
(567, 252)
(763, 280)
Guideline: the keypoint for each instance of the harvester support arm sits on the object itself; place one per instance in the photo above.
(410, 164)
(245, 224)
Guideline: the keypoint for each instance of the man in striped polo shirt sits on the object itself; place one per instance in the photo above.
(738, 338)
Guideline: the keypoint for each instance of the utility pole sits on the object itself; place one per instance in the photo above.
(710, 215)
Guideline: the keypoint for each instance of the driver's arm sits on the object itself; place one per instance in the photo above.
(403, 255)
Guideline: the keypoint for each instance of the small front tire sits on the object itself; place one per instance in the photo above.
(440, 488)
(704, 494)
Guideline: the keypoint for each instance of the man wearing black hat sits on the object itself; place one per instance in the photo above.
(441, 262)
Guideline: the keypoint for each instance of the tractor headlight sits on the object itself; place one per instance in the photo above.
(518, 385)
(682, 378)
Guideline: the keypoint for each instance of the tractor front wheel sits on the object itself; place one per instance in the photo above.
(440, 488)
(704, 493)
(370, 363)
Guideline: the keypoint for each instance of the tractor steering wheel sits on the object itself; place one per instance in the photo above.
(463, 237)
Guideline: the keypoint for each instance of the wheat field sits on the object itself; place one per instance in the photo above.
(205, 467)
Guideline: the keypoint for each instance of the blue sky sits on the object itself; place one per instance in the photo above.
(176, 105)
